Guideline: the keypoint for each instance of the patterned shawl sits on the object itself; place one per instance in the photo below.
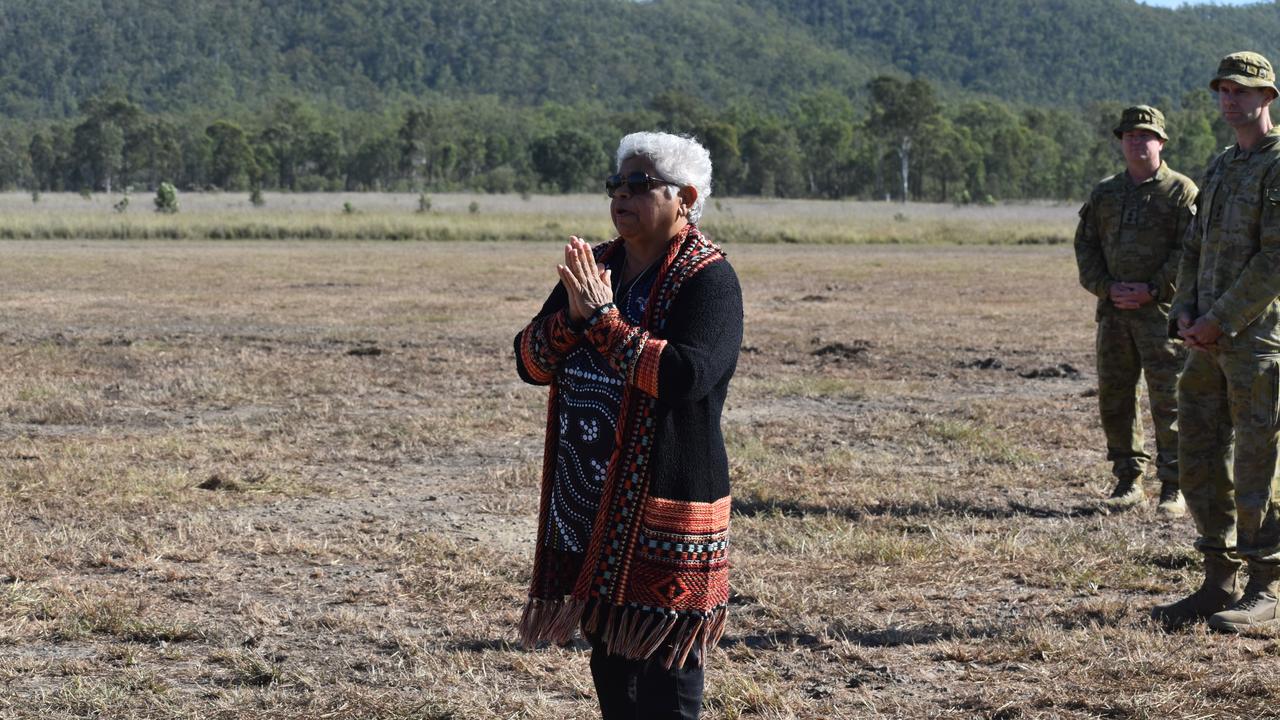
(655, 573)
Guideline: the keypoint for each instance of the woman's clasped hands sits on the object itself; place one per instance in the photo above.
(589, 287)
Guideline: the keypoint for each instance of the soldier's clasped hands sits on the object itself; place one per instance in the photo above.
(1200, 334)
(1129, 296)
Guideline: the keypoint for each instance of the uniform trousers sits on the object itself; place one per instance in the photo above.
(1229, 400)
(1131, 344)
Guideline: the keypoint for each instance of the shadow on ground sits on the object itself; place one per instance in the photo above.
(482, 645)
(925, 634)
(947, 507)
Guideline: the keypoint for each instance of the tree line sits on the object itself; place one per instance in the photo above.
(896, 139)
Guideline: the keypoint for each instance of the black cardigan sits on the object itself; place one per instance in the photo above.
(703, 334)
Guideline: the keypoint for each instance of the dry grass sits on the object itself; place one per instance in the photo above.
(284, 480)
(462, 216)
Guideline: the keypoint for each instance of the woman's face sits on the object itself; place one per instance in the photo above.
(645, 216)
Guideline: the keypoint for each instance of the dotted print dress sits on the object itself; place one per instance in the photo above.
(590, 400)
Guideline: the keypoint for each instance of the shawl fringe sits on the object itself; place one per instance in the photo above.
(632, 633)
(550, 621)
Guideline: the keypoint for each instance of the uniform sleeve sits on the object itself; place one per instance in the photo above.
(542, 345)
(1259, 283)
(1089, 258)
(1184, 298)
(699, 346)
(1165, 280)
(1187, 294)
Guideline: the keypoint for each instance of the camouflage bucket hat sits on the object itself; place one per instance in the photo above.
(1141, 117)
(1245, 68)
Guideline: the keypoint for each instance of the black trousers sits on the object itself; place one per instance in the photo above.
(643, 689)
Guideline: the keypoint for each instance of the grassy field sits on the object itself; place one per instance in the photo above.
(453, 217)
(297, 480)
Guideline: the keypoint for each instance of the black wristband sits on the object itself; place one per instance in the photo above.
(599, 313)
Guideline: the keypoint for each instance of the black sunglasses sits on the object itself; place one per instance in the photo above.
(637, 182)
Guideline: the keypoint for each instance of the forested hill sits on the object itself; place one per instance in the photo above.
(180, 55)
(174, 55)
(1063, 52)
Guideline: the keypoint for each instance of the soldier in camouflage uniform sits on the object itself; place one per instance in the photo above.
(1227, 311)
(1127, 248)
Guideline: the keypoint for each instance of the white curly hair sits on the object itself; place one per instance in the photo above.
(679, 159)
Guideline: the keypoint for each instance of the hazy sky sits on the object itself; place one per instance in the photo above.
(1176, 3)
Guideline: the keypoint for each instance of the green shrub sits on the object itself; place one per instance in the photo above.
(166, 198)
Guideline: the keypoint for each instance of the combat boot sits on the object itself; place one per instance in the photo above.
(1257, 609)
(1171, 503)
(1127, 493)
(1218, 592)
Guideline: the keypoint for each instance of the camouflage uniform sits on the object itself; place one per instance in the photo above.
(1230, 272)
(1229, 393)
(1132, 233)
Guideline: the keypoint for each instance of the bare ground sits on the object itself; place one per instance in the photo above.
(280, 480)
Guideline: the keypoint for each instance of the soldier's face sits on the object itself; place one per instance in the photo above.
(1241, 105)
(1141, 147)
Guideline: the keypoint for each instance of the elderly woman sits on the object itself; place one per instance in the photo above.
(638, 342)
